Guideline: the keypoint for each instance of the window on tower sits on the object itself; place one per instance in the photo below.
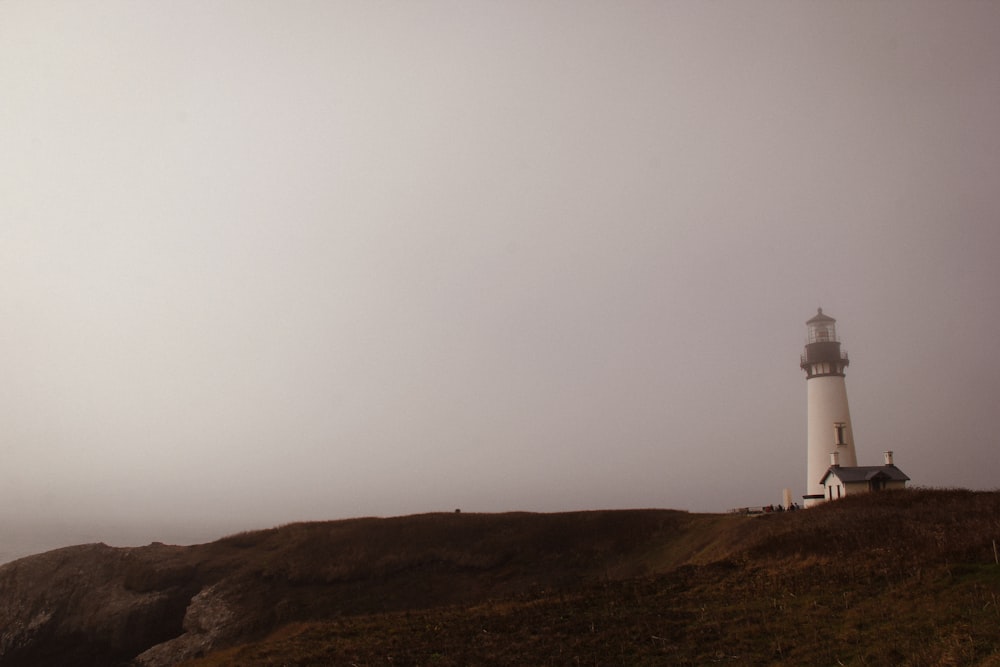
(840, 433)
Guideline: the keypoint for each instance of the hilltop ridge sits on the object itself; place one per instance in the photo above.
(598, 585)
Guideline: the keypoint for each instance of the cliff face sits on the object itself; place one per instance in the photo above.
(86, 605)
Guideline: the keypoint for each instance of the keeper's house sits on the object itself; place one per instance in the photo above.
(846, 481)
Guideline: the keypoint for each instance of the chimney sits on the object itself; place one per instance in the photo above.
(835, 459)
(888, 457)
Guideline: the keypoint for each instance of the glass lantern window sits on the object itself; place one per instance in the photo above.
(822, 332)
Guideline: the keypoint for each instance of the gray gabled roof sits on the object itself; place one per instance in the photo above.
(865, 473)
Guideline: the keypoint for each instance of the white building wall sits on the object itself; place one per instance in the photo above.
(854, 488)
(826, 407)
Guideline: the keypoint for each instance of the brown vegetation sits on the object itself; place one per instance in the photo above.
(901, 578)
(892, 578)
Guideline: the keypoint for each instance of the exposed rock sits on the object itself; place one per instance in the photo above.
(73, 607)
(209, 618)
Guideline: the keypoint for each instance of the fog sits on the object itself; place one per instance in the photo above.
(264, 262)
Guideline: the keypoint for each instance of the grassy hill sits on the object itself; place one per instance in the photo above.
(897, 578)
(901, 578)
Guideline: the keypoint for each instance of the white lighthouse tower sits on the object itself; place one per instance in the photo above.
(830, 438)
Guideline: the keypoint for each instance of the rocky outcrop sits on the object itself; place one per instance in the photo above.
(88, 605)
(209, 619)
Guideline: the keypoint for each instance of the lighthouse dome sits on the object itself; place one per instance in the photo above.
(820, 316)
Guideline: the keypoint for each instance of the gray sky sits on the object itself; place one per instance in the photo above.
(273, 261)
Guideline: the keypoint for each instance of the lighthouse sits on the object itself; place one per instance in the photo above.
(829, 435)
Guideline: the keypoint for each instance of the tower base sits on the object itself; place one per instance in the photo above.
(812, 500)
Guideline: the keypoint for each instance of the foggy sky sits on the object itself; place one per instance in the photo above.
(263, 262)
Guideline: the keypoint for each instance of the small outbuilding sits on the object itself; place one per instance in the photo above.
(845, 481)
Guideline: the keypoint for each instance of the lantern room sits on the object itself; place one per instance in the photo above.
(821, 329)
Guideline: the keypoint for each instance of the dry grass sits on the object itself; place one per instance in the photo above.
(902, 578)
